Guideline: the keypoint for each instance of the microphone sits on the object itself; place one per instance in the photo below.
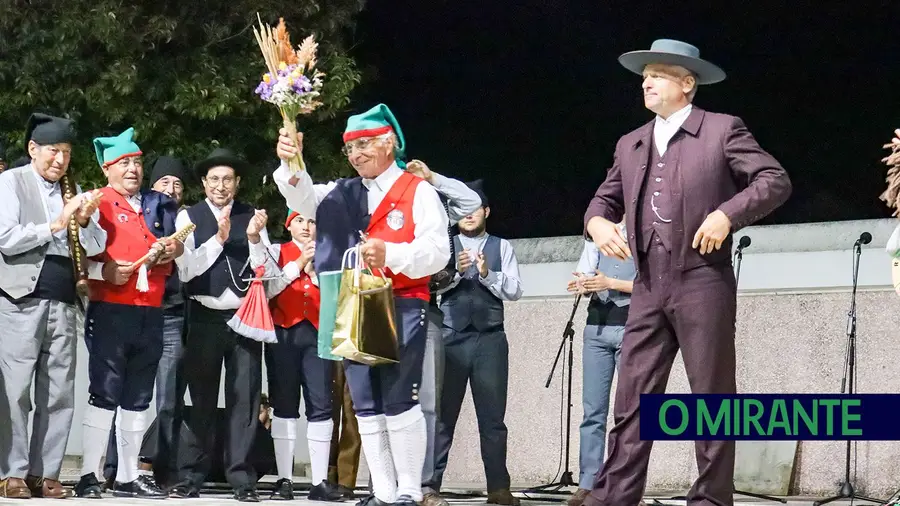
(864, 238)
(744, 242)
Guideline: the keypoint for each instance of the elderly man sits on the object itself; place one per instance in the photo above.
(212, 270)
(686, 181)
(167, 178)
(123, 325)
(406, 225)
(38, 307)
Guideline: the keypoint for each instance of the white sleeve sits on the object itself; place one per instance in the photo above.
(195, 260)
(302, 196)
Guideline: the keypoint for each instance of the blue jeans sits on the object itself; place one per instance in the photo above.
(170, 387)
(600, 359)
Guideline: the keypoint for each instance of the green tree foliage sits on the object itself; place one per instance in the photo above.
(181, 72)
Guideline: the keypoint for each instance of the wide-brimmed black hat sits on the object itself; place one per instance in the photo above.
(222, 157)
(673, 52)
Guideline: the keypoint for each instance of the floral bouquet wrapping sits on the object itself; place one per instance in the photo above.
(292, 82)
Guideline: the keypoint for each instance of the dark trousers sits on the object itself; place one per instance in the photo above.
(346, 445)
(209, 343)
(693, 311)
(293, 363)
(170, 387)
(124, 345)
(481, 359)
(391, 389)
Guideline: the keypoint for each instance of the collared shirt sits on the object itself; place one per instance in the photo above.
(506, 284)
(16, 238)
(592, 261)
(665, 129)
(197, 259)
(424, 256)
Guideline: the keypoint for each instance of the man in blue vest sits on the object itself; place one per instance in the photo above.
(475, 346)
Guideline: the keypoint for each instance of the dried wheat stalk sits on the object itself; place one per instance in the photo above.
(891, 195)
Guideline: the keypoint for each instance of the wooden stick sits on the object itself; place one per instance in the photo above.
(179, 236)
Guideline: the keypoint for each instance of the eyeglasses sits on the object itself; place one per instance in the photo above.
(214, 181)
(359, 145)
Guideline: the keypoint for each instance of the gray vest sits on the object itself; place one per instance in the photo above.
(19, 273)
(470, 305)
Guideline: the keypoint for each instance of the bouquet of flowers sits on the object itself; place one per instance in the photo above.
(292, 82)
(891, 195)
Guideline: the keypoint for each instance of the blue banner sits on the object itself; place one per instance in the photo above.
(772, 417)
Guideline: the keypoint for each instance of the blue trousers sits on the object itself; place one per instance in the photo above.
(482, 360)
(392, 389)
(124, 346)
(170, 387)
(430, 393)
(600, 359)
(293, 363)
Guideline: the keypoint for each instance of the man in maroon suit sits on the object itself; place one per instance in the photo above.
(686, 181)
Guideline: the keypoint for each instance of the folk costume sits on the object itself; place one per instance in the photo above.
(407, 214)
(476, 353)
(667, 177)
(214, 277)
(38, 308)
(123, 331)
(159, 213)
(293, 364)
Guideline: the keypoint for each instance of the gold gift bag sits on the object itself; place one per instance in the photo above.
(365, 329)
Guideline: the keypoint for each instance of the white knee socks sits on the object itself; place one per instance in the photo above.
(130, 428)
(284, 436)
(409, 440)
(318, 435)
(377, 449)
(94, 438)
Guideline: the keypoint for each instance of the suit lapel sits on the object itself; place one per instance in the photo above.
(641, 158)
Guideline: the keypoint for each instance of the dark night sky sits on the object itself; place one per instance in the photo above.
(529, 96)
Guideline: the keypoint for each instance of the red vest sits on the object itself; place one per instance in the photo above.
(396, 211)
(299, 300)
(128, 239)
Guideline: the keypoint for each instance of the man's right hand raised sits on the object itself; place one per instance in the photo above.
(285, 147)
(608, 238)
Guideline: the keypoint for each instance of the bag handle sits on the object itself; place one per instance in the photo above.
(362, 263)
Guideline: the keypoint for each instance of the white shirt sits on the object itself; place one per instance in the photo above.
(665, 129)
(277, 278)
(506, 284)
(197, 259)
(17, 238)
(94, 268)
(429, 251)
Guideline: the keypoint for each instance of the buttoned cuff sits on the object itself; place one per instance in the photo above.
(95, 270)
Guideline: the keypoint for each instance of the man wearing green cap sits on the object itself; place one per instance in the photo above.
(38, 304)
(123, 324)
(406, 228)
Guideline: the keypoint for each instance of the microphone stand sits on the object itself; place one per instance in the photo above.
(847, 490)
(568, 334)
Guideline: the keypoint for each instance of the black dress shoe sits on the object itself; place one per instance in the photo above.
(325, 491)
(284, 490)
(405, 500)
(184, 490)
(144, 487)
(371, 500)
(246, 495)
(88, 487)
(347, 492)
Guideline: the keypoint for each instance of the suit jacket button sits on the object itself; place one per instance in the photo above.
(34, 278)
(156, 224)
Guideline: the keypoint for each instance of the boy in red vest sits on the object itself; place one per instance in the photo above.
(293, 362)
(406, 225)
(123, 324)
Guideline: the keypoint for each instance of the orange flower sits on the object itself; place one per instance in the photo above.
(285, 51)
